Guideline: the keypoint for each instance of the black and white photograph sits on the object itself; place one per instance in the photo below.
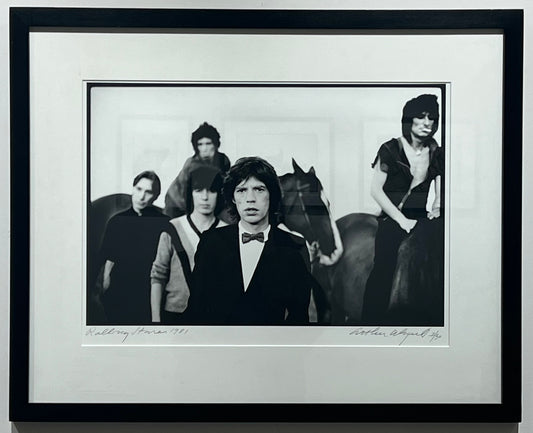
(236, 215)
(257, 204)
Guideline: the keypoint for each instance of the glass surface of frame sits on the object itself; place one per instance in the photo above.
(131, 110)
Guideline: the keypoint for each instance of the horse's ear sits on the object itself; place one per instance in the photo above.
(296, 167)
(312, 170)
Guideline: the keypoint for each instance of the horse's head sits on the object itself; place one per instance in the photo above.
(305, 210)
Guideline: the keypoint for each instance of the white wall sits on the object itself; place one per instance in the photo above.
(526, 426)
(336, 130)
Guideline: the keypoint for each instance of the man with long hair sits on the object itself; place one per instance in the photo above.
(174, 262)
(404, 170)
(205, 141)
(251, 273)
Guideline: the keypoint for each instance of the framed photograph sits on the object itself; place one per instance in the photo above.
(238, 215)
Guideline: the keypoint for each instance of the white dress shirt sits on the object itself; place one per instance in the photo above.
(250, 253)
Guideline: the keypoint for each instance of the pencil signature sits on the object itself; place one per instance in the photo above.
(403, 334)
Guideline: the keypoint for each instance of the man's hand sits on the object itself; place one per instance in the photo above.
(407, 224)
(108, 267)
(314, 251)
(107, 282)
(332, 258)
(434, 213)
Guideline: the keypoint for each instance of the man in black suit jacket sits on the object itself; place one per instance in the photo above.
(250, 273)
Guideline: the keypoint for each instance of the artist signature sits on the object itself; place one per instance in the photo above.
(403, 334)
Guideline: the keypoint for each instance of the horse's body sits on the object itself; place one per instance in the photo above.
(417, 292)
(347, 278)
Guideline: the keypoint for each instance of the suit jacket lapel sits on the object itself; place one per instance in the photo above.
(267, 253)
(234, 256)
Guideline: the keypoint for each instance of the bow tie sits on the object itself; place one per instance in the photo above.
(247, 237)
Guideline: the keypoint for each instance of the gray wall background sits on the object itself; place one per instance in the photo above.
(525, 427)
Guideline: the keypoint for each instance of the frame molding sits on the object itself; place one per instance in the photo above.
(508, 22)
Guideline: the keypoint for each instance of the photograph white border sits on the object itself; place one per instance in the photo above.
(346, 181)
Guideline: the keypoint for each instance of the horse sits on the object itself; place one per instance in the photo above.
(306, 210)
(345, 250)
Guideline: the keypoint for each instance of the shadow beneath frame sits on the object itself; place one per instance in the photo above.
(260, 428)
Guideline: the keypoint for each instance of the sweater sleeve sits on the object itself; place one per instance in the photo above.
(161, 266)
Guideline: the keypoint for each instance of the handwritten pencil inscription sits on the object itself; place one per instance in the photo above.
(126, 333)
(402, 335)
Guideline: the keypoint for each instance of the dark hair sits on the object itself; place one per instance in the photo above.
(414, 108)
(156, 182)
(204, 177)
(205, 130)
(253, 166)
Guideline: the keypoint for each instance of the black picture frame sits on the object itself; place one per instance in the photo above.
(508, 22)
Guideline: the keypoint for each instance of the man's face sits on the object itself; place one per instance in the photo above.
(206, 148)
(252, 199)
(142, 194)
(422, 126)
(204, 201)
